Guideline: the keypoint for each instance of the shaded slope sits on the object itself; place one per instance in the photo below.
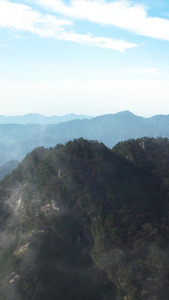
(87, 218)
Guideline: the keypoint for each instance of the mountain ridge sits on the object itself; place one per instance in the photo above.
(35, 118)
(88, 218)
(17, 140)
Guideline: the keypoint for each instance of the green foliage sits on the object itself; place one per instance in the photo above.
(82, 221)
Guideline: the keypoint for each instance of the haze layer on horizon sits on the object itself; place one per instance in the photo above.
(84, 56)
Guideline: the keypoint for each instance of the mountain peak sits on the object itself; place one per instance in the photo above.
(125, 113)
(87, 218)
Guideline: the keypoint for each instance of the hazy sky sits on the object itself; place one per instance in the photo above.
(84, 56)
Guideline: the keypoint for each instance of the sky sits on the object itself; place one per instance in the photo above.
(89, 57)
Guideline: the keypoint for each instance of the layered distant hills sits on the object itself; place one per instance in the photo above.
(16, 140)
(39, 119)
(8, 167)
(82, 221)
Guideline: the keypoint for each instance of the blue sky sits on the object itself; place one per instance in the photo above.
(84, 56)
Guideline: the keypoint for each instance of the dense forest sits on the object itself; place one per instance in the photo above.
(81, 221)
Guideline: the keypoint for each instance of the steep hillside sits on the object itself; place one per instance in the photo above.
(82, 221)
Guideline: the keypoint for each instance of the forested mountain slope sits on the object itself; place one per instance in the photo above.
(82, 221)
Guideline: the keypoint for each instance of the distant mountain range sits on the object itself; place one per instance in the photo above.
(8, 167)
(39, 119)
(17, 140)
